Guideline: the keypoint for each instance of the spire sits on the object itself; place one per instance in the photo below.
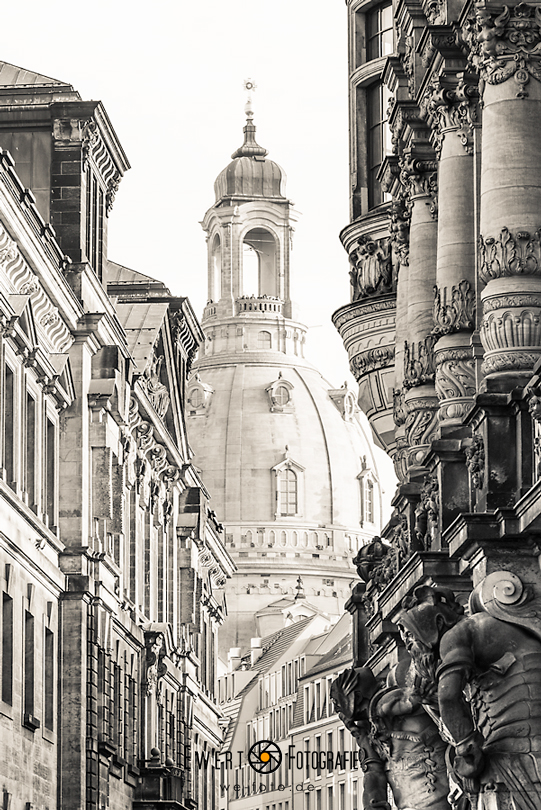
(250, 147)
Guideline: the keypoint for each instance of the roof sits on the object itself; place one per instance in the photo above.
(230, 711)
(141, 322)
(13, 76)
(274, 647)
(340, 655)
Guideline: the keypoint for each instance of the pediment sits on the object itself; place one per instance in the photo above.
(24, 327)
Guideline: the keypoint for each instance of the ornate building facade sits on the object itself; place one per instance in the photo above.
(112, 565)
(289, 465)
(444, 251)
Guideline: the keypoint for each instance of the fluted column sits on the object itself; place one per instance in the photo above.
(505, 46)
(451, 106)
(399, 228)
(419, 177)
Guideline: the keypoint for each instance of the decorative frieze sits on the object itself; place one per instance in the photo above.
(506, 45)
(380, 357)
(510, 255)
(454, 312)
(371, 268)
(419, 362)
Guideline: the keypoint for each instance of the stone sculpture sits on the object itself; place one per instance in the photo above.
(400, 741)
(487, 670)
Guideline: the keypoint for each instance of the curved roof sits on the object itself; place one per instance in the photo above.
(240, 439)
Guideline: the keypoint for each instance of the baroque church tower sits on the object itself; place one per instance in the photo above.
(289, 467)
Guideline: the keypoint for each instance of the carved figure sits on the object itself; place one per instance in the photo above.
(400, 742)
(493, 657)
(154, 663)
(157, 391)
(371, 270)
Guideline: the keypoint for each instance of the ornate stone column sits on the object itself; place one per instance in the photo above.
(420, 178)
(506, 45)
(450, 106)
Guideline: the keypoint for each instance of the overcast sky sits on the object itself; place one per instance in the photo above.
(171, 78)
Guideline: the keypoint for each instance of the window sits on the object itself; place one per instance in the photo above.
(9, 418)
(281, 395)
(330, 797)
(354, 795)
(7, 649)
(94, 223)
(342, 796)
(329, 748)
(318, 799)
(379, 140)
(28, 669)
(379, 31)
(30, 470)
(307, 801)
(369, 501)
(287, 482)
(48, 680)
(264, 341)
(318, 751)
(195, 398)
(50, 473)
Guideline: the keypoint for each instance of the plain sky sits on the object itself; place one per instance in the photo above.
(170, 76)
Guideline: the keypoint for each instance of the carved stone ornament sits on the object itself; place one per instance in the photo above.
(400, 459)
(155, 667)
(156, 390)
(427, 512)
(476, 663)
(456, 314)
(455, 382)
(534, 404)
(399, 407)
(373, 359)
(419, 362)
(506, 44)
(399, 228)
(421, 427)
(371, 268)
(475, 461)
(510, 255)
(451, 106)
(112, 188)
(419, 176)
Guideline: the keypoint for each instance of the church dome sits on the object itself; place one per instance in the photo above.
(250, 174)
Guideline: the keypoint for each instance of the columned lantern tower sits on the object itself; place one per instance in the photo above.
(288, 465)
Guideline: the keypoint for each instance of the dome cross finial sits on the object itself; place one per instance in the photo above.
(250, 147)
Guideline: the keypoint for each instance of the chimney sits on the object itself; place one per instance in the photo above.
(233, 657)
(256, 650)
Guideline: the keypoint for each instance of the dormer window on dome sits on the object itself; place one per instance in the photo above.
(280, 395)
(288, 478)
(198, 396)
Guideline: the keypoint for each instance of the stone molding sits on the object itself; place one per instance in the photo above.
(419, 362)
(457, 315)
(506, 44)
(510, 255)
(371, 360)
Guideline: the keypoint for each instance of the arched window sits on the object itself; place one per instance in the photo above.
(287, 480)
(264, 340)
(216, 270)
(259, 259)
(195, 397)
(281, 395)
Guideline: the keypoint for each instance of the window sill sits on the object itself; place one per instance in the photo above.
(30, 722)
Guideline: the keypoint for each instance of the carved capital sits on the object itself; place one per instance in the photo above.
(451, 103)
(454, 312)
(420, 177)
(419, 362)
(510, 255)
(506, 45)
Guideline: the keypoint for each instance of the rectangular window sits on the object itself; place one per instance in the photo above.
(307, 800)
(28, 697)
(354, 795)
(30, 470)
(329, 748)
(318, 751)
(330, 797)
(48, 680)
(379, 32)
(307, 759)
(7, 649)
(379, 143)
(50, 472)
(318, 799)
(318, 700)
(342, 796)
(9, 431)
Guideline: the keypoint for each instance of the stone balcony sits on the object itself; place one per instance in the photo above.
(258, 305)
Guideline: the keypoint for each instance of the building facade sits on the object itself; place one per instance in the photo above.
(289, 465)
(112, 564)
(445, 103)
